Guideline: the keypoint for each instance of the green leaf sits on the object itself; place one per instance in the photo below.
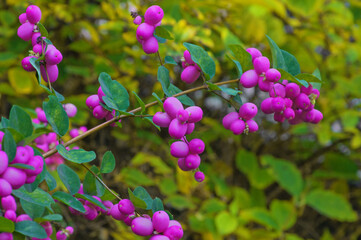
(47, 41)
(204, 61)
(183, 99)
(22, 166)
(163, 78)
(212, 86)
(290, 77)
(56, 115)
(238, 66)
(284, 213)
(286, 174)
(30, 229)
(157, 205)
(50, 218)
(89, 184)
(163, 33)
(42, 30)
(308, 77)
(278, 60)
(69, 178)
(243, 58)
(261, 216)
(116, 96)
(230, 91)
(159, 100)
(169, 60)
(39, 196)
(6, 225)
(331, 205)
(225, 223)
(59, 96)
(20, 121)
(293, 67)
(32, 209)
(91, 199)
(108, 163)
(139, 203)
(9, 145)
(160, 39)
(76, 156)
(141, 193)
(69, 200)
(318, 84)
(50, 181)
(150, 120)
(140, 101)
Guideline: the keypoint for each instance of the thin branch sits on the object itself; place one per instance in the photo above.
(160, 59)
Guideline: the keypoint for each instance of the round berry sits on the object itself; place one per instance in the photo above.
(316, 92)
(70, 229)
(249, 79)
(174, 232)
(292, 90)
(126, 207)
(252, 126)
(74, 133)
(161, 119)
(159, 237)
(278, 117)
(48, 228)
(179, 149)
(177, 130)
(92, 101)
(142, 226)
(182, 164)
(182, 116)
(199, 176)
(70, 109)
(23, 217)
(192, 161)
(35, 39)
(99, 112)
(237, 127)
(171, 106)
(5, 188)
(116, 214)
(277, 90)
(288, 102)
(264, 85)
(248, 111)
(53, 56)
(190, 74)
(33, 14)
(37, 48)
(278, 104)
(289, 113)
(60, 235)
(137, 20)
(261, 65)
(318, 116)
(302, 101)
(10, 214)
(309, 116)
(6, 236)
(23, 18)
(91, 213)
(51, 70)
(101, 94)
(4, 162)
(255, 53)
(188, 58)
(273, 75)
(307, 90)
(8, 203)
(153, 15)
(15, 177)
(229, 119)
(190, 128)
(195, 114)
(25, 63)
(25, 31)
(160, 221)
(174, 223)
(145, 31)
(196, 146)
(150, 45)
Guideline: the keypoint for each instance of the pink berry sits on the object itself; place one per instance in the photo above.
(261, 65)
(248, 111)
(30, 179)
(174, 232)
(38, 164)
(171, 106)
(292, 90)
(255, 53)
(318, 116)
(289, 113)
(237, 127)
(192, 161)
(249, 79)
(108, 205)
(35, 39)
(316, 93)
(252, 126)
(179, 149)
(25, 31)
(74, 133)
(1, 136)
(264, 85)
(116, 214)
(33, 14)
(182, 164)
(8, 203)
(196, 146)
(309, 116)
(51, 70)
(99, 112)
(273, 75)
(48, 228)
(302, 101)
(6, 236)
(53, 56)
(126, 206)
(195, 114)
(160, 221)
(278, 117)
(5, 188)
(25, 63)
(188, 58)
(288, 102)
(277, 90)
(182, 116)
(229, 119)
(278, 104)
(10, 214)
(70, 229)
(145, 31)
(142, 226)
(199, 176)
(150, 45)
(137, 20)
(190, 74)
(91, 213)
(177, 130)
(101, 94)
(174, 223)
(153, 15)
(159, 237)
(92, 101)
(70, 109)
(60, 235)
(307, 90)
(15, 177)
(23, 217)
(190, 128)
(22, 18)
(38, 49)
(129, 219)
(4, 161)
(162, 119)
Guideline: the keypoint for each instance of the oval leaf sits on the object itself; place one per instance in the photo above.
(69, 178)
(6, 225)
(108, 163)
(76, 156)
(20, 121)
(69, 200)
(30, 229)
(56, 115)
(278, 60)
(39, 196)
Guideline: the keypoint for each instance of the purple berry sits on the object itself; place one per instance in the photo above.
(34, 38)
(128, 220)
(150, 45)
(307, 90)
(195, 114)
(188, 58)
(6, 236)
(316, 93)
(182, 116)
(25, 31)
(137, 20)
(101, 94)
(48, 228)
(23, 217)
(142, 226)
(179, 149)
(278, 117)
(15, 177)
(255, 53)
(174, 223)
(91, 213)
(190, 128)
(51, 70)
(53, 56)
(261, 65)
(25, 63)
(161, 119)
(33, 14)
(249, 79)
(309, 116)
(273, 75)
(229, 119)
(237, 127)
(199, 176)
(5, 188)
(196, 146)
(92, 101)
(318, 116)
(248, 111)
(277, 90)
(23, 18)
(278, 104)
(177, 130)
(70, 229)
(38, 49)
(108, 205)
(182, 164)
(38, 164)
(116, 214)
(288, 102)
(10, 214)
(159, 237)
(126, 207)
(252, 126)
(4, 162)
(74, 133)
(292, 90)
(99, 112)
(145, 31)
(302, 101)
(171, 106)
(174, 232)
(153, 15)
(160, 221)
(190, 74)
(263, 84)
(192, 161)
(60, 235)
(289, 113)
(8, 203)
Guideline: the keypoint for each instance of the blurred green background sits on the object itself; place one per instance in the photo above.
(283, 182)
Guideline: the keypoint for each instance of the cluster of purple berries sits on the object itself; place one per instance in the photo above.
(14, 178)
(191, 71)
(94, 102)
(181, 122)
(29, 31)
(242, 121)
(145, 32)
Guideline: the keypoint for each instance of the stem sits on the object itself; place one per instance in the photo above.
(160, 59)
(101, 182)
(107, 123)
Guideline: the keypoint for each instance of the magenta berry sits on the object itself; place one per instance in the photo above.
(174, 232)
(51, 70)
(182, 164)
(192, 161)
(278, 104)
(195, 114)
(8, 203)
(264, 85)
(92, 101)
(188, 58)
(162, 119)
(33, 14)
(255, 53)
(69, 229)
(289, 113)
(91, 213)
(60, 235)
(25, 63)
(307, 90)
(196, 146)
(74, 133)
(174, 223)
(261, 65)
(142, 226)
(273, 75)
(126, 207)
(150, 45)
(70, 109)
(23, 217)
(179, 149)
(277, 90)
(116, 214)
(23, 18)
(153, 15)
(302, 101)
(229, 119)
(177, 130)
(182, 116)
(53, 56)
(248, 111)
(38, 164)
(190, 128)
(35, 37)
(171, 106)
(145, 31)
(292, 90)
(99, 112)
(101, 94)
(252, 126)
(278, 117)
(237, 127)
(10, 214)
(316, 92)
(16, 177)
(249, 79)
(159, 237)
(160, 221)
(288, 102)
(318, 116)
(137, 20)
(199, 176)
(48, 228)
(37, 49)
(4, 161)
(190, 74)
(25, 31)
(5, 188)
(309, 116)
